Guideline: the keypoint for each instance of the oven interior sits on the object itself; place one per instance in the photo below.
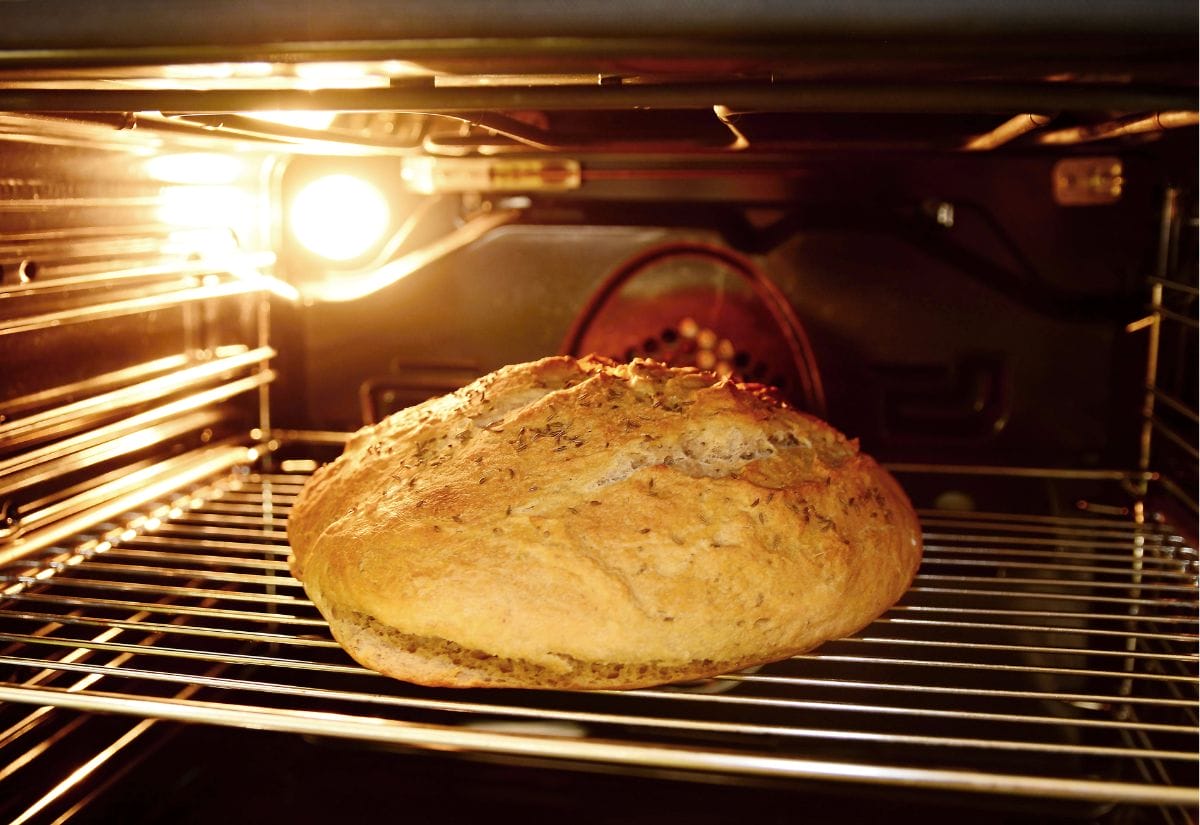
(968, 240)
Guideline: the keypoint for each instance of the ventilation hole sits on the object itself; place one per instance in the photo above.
(650, 345)
(779, 381)
(741, 360)
(669, 336)
(27, 271)
(630, 354)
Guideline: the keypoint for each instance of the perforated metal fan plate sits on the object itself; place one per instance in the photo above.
(703, 306)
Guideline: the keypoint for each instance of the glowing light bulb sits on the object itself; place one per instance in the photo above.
(339, 217)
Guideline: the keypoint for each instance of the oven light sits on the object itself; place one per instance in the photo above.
(340, 217)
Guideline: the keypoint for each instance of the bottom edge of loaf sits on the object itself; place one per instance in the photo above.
(438, 662)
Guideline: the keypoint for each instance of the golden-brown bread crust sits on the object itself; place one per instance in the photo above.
(581, 524)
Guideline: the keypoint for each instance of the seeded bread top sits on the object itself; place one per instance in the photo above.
(572, 511)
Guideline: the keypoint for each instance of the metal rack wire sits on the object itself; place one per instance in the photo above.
(1036, 655)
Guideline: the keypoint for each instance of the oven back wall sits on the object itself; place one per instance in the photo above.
(992, 332)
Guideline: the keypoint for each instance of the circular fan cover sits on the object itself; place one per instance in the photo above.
(705, 306)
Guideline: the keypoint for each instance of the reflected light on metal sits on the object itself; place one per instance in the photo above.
(208, 168)
(339, 75)
(206, 206)
(316, 121)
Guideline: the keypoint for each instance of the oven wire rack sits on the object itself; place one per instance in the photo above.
(1035, 656)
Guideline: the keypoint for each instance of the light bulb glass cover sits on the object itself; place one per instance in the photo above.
(339, 217)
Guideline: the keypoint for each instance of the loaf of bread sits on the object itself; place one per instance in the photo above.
(580, 524)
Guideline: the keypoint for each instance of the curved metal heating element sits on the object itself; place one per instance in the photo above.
(389, 273)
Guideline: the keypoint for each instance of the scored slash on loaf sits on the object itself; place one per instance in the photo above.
(580, 524)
